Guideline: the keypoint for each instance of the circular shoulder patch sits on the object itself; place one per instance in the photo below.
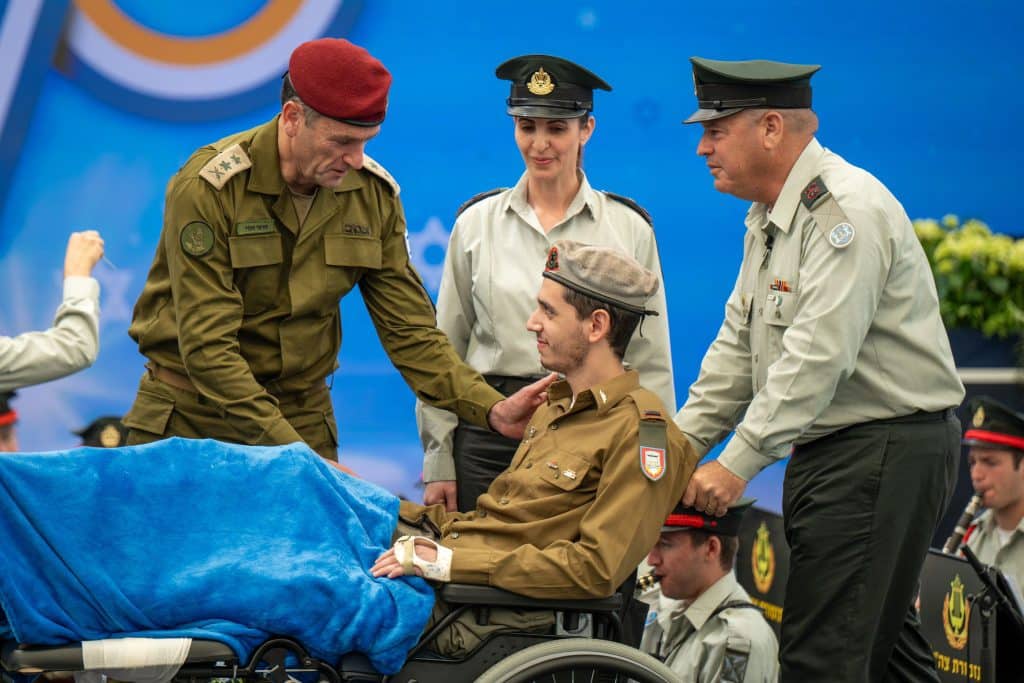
(841, 235)
(197, 238)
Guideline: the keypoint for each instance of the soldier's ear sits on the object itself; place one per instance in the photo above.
(599, 326)
(292, 116)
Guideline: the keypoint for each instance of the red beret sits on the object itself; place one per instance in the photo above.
(340, 80)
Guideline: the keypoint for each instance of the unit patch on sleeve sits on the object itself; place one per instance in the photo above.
(197, 238)
(652, 462)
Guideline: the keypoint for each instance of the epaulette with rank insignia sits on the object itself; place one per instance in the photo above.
(828, 216)
(478, 197)
(631, 204)
(813, 193)
(225, 165)
(653, 434)
(370, 164)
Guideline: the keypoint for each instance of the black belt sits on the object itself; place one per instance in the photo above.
(919, 416)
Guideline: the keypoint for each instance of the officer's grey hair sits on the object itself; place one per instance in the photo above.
(799, 121)
(288, 94)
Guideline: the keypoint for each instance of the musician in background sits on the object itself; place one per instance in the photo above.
(996, 441)
(701, 622)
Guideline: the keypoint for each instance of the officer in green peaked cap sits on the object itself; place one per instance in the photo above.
(724, 88)
(845, 364)
(549, 87)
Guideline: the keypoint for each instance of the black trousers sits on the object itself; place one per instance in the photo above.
(860, 507)
(481, 455)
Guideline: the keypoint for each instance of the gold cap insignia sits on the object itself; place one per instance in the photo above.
(110, 437)
(979, 417)
(540, 83)
(762, 560)
(956, 615)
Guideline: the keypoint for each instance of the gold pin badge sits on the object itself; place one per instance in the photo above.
(110, 437)
(979, 417)
(540, 83)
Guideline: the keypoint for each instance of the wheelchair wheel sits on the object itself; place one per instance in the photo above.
(578, 659)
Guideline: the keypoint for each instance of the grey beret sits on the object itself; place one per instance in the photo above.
(603, 273)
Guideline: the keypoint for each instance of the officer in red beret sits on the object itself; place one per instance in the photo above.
(264, 232)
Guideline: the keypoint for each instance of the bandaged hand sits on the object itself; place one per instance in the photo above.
(415, 555)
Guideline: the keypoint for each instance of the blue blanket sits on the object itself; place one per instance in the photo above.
(205, 540)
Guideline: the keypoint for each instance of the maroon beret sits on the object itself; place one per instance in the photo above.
(340, 80)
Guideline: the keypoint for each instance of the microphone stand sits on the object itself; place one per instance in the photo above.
(990, 598)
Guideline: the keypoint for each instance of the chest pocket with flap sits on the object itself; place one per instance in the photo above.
(563, 470)
(779, 308)
(256, 260)
(346, 258)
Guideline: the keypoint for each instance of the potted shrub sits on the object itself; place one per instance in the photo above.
(980, 280)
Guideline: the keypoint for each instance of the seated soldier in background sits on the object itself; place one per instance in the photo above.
(8, 420)
(104, 432)
(996, 441)
(598, 467)
(702, 623)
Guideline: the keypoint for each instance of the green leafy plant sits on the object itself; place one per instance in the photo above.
(979, 275)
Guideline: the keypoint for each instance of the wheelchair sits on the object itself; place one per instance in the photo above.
(504, 657)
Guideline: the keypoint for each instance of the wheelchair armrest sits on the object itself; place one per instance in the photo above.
(488, 596)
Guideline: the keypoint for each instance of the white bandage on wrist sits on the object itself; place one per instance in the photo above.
(438, 570)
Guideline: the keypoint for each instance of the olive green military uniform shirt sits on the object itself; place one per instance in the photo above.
(985, 542)
(245, 303)
(704, 643)
(833, 321)
(492, 271)
(575, 512)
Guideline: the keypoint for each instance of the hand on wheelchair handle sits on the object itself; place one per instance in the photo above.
(442, 492)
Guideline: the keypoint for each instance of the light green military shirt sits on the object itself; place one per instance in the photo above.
(833, 321)
(492, 272)
(984, 540)
(72, 344)
(734, 645)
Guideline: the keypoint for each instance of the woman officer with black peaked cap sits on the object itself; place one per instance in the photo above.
(492, 269)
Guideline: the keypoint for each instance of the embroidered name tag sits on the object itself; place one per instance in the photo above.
(254, 227)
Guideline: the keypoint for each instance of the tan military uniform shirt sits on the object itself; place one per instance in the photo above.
(245, 302)
(574, 513)
(492, 272)
(736, 645)
(985, 542)
(834, 325)
(72, 344)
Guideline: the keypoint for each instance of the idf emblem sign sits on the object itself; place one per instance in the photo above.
(762, 560)
(956, 615)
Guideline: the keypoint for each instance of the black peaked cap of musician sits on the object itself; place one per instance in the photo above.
(726, 87)
(684, 517)
(994, 424)
(104, 432)
(548, 87)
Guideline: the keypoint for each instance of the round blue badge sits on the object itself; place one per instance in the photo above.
(841, 235)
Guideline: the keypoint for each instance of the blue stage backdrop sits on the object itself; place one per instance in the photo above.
(96, 118)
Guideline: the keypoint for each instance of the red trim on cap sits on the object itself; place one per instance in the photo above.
(995, 437)
(8, 418)
(692, 521)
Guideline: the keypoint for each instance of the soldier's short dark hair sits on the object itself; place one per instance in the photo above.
(622, 323)
(730, 545)
(288, 94)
